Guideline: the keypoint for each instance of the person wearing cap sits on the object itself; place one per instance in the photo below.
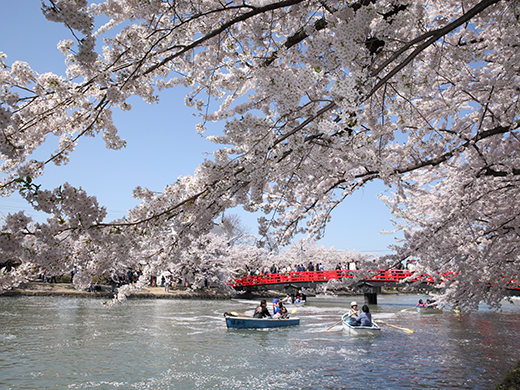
(353, 312)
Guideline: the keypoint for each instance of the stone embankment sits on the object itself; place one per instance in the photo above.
(68, 290)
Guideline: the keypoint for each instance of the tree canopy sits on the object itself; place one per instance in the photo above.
(316, 99)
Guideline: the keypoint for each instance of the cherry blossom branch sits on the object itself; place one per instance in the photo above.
(431, 37)
(217, 31)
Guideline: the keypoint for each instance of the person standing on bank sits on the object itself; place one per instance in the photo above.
(167, 282)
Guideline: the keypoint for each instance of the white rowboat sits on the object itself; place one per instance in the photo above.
(428, 310)
(360, 330)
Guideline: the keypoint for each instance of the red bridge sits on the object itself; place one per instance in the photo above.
(369, 286)
(381, 276)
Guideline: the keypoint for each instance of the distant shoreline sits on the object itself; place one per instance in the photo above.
(41, 289)
(67, 290)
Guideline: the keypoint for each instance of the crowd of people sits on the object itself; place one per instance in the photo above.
(119, 278)
(276, 269)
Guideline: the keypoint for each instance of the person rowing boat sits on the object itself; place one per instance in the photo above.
(431, 304)
(352, 313)
(261, 311)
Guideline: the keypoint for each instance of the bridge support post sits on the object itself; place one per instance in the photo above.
(370, 299)
(370, 292)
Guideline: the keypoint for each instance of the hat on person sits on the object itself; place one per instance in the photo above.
(354, 303)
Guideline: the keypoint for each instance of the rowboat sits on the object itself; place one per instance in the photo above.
(373, 330)
(243, 322)
(428, 310)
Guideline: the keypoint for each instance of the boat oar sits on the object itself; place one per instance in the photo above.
(397, 327)
(294, 310)
(330, 327)
(410, 308)
(238, 315)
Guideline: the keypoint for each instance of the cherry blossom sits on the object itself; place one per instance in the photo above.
(316, 98)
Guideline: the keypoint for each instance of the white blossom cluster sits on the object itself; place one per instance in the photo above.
(316, 98)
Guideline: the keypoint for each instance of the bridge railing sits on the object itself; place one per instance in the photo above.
(323, 276)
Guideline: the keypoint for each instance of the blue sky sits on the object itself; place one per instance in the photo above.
(162, 144)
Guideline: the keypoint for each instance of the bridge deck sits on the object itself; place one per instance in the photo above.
(325, 276)
(380, 277)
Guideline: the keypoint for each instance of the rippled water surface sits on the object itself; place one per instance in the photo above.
(75, 343)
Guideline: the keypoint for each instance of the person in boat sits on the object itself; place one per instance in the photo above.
(421, 303)
(275, 301)
(365, 318)
(287, 299)
(277, 310)
(281, 311)
(431, 304)
(261, 311)
(353, 312)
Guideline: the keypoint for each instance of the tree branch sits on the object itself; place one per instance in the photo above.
(221, 29)
(432, 37)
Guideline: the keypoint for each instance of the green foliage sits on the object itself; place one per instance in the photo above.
(28, 185)
(512, 380)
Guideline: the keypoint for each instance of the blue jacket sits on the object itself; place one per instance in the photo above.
(364, 319)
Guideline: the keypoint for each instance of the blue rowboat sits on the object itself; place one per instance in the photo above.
(241, 322)
(360, 330)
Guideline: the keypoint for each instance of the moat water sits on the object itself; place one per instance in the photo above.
(77, 343)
